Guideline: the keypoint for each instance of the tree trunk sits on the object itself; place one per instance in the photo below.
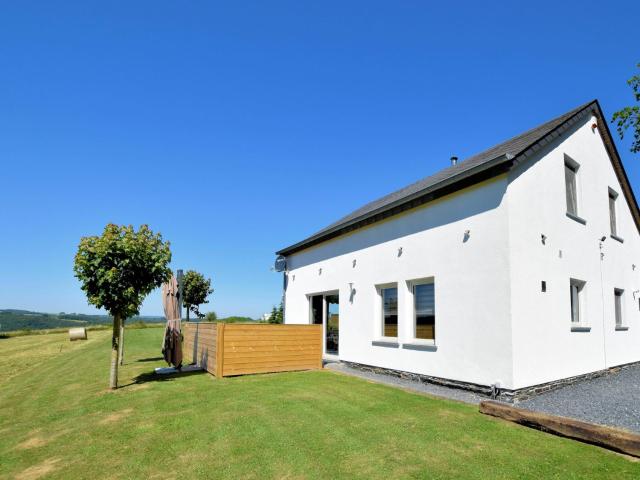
(121, 346)
(115, 341)
(187, 313)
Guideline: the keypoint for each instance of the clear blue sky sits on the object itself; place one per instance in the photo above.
(237, 128)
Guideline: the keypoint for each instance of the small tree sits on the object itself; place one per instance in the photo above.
(195, 291)
(117, 270)
(277, 314)
(211, 317)
(629, 117)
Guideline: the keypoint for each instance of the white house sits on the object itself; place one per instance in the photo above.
(517, 268)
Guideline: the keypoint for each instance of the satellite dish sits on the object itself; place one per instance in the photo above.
(281, 263)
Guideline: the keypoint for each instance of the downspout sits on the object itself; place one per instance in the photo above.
(604, 338)
(285, 274)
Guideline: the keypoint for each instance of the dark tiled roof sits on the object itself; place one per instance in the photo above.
(492, 159)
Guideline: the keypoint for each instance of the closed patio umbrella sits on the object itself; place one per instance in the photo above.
(172, 342)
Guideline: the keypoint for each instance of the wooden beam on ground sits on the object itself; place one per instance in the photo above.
(607, 437)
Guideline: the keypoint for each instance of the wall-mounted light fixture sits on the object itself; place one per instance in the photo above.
(353, 264)
(320, 271)
(352, 292)
(543, 238)
(400, 251)
(466, 236)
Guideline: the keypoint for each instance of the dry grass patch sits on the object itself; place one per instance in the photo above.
(39, 470)
(33, 442)
(116, 416)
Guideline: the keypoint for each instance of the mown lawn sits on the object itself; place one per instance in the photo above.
(57, 420)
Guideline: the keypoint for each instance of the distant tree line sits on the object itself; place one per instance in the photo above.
(11, 320)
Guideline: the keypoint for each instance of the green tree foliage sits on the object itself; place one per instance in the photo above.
(629, 117)
(195, 290)
(277, 314)
(117, 270)
(211, 317)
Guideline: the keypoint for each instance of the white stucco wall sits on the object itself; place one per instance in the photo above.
(472, 299)
(493, 322)
(544, 346)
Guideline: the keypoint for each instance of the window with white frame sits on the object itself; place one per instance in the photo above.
(424, 310)
(613, 196)
(618, 295)
(389, 298)
(571, 185)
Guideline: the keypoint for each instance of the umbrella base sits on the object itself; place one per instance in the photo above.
(170, 370)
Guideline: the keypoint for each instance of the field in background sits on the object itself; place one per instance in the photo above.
(58, 420)
(24, 320)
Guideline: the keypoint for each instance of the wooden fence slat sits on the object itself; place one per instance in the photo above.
(269, 354)
(269, 348)
(267, 326)
(269, 369)
(260, 341)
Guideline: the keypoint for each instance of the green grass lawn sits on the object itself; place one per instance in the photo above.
(57, 420)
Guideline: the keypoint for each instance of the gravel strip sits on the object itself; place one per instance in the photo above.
(430, 389)
(612, 400)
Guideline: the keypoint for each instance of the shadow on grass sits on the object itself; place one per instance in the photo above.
(154, 377)
(150, 359)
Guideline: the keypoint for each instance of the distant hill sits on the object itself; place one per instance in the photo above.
(13, 319)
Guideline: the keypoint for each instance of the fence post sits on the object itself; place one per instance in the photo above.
(194, 357)
(219, 349)
(321, 345)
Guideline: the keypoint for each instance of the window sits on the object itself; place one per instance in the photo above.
(612, 212)
(570, 175)
(389, 311)
(617, 295)
(576, 293)
(424, 316)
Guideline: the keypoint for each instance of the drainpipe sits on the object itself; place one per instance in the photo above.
(604, 332)
(285, 275)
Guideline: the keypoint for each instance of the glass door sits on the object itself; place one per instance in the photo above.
(332, 329)
(324, 310)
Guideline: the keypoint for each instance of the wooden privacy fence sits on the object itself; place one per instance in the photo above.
(225, 349)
